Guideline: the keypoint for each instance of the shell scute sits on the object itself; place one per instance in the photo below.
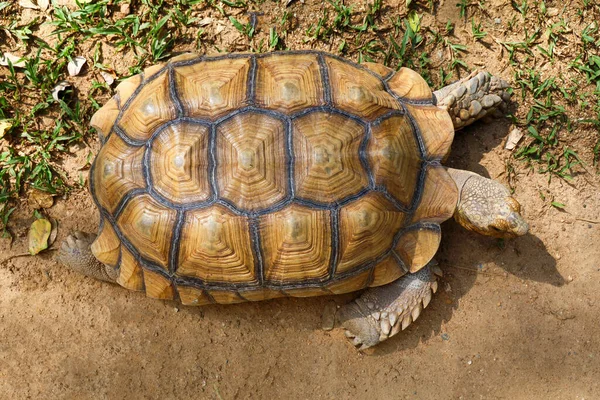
(296, 244)
(367, 229)
(151, 107)
(179, 163)
(363, 95)
(290, 84)
(216, 246)
(149, 226)
(252, 165)
(213, 88)
(394, 158)
(329, 167)
(117, 170)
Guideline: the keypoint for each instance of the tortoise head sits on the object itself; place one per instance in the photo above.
(487, 207)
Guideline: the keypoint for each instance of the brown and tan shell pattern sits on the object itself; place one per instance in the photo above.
(249, 177)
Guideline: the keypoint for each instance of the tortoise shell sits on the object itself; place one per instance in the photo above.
(252, 176)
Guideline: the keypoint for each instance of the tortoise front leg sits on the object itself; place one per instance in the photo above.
(473, 98)
(75, 253)
(381, 312)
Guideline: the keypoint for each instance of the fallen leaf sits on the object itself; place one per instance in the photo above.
(205, 21)
(16, 61)
(59, 88)
(75, 65)
(108, 78)
(44, 4)
(28, 4)
(41, 199)
(38, 236)
(53, 231)
(513, 139)
(5, 125)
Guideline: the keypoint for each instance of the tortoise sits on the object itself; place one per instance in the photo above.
(244, 177)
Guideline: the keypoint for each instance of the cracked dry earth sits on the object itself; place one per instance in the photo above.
(514, 320)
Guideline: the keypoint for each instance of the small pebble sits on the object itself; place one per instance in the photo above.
(498, 20)
(569, 278)
(469, 362)
(445, 336)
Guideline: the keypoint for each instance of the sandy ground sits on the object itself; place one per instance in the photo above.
(514, 320)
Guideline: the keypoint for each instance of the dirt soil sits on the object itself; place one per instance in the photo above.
(514, 320)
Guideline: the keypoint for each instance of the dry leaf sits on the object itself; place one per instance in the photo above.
(5, 125)
(44, 4)
(75, 65)
(513, 139)
(41, 199)
(108, 78)
(205, 21)
(53, 231)
(16, 61)
(59, 88)
(28, 4)
(38, 236)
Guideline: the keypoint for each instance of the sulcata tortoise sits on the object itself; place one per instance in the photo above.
(245, 177)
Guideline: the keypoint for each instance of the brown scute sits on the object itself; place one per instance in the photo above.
(439, 198)
(388, 270)
(150, 71)
(379, 69)
(358, 92)
(149, 226)
(270, 175)
(436, 128)
(191, 296)
(394, 157)
(252, 166)
(213, 88)
(107, 246)
(226, 296)
(330, 168)
(126, 88)
(117, 170)
(417, 246)
(307, 292)
(216, 247)
(184, 57)
(289, 84)
(104, 119)
(130, 271)
(150, 108)
(351, 283)
(261, 294)
(296, 244)
(157, 286)
(367, 229)
(179, 163)
(409, 85)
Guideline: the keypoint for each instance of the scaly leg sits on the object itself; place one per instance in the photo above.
(381, 312)
(473, 98)
(75, 253)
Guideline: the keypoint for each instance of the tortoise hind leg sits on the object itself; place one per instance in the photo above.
(75, 253)
(381, 312)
